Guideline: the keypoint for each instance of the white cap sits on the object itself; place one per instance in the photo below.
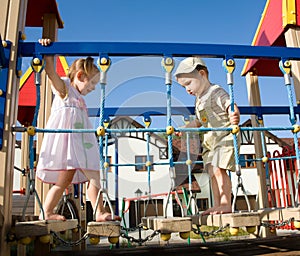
(188, 65)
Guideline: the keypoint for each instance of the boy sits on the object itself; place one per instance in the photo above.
(212, 109)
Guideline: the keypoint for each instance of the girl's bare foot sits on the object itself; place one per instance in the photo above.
(218, 210)
(209, 210)
(53, 216)
(106, 216)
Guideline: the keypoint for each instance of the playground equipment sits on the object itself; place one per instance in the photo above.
(13, 48)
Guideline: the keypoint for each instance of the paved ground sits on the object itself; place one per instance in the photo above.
(286, 243)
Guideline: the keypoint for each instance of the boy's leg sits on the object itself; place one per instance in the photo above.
(55, 193)
(224, 185)
(221, 188)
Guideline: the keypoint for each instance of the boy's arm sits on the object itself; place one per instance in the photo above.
(234, 116)
(192, 124)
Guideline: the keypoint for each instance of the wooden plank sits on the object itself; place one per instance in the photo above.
(4, 12)
(108, 228)
(277, 214)
(168, 225)
(18, 218)
(292, 38)
(43, 227)
(1, 219)
(239, 219)
(18, 203)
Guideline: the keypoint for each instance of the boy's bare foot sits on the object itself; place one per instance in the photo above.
(52, 216)
(217, 210)
(106, 216)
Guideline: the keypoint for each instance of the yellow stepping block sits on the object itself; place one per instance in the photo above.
(43, 227)
(107, 229)
(238, 219)
(169, 224)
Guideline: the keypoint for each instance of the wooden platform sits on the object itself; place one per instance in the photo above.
(107, 229)
(168, 225)
(239, 219)
(42, 227)
(277, 214)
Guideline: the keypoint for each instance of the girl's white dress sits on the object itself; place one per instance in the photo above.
(69, 151)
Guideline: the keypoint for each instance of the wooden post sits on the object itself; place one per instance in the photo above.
(12, 20)
(292, 37)
(254, 100)
(50, 27)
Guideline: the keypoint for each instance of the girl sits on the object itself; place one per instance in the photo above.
(67, 158)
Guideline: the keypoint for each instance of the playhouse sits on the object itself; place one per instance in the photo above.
(164, 174)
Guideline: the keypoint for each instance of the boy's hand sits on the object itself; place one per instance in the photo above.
(234, 118)
(45, 41)
(179, 134)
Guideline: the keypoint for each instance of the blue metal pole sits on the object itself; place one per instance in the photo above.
(28, 49)
(117, 176)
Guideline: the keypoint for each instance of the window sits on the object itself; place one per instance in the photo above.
(202, 204)
(247, 161)
(140, 163)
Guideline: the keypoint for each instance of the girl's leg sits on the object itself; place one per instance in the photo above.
(101, 214)
(55, 193)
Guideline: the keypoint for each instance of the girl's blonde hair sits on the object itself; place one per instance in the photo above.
(86, 65)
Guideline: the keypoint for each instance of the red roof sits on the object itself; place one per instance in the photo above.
(278, 16)
(27, 95)
(36, 10)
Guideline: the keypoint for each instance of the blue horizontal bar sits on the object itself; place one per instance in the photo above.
(126, 130)
(29, 49)
(203, 129)
(141, 111)
(186, 111)
(41, 130)
(162, 163)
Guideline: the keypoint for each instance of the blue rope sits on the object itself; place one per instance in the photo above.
(148, 160)
(169, 123)
(292, 119)
(189, 158)
(101, 119)
(235, 140)
(34, 123)
(37, 108)
(291, 103)
(296, 143)
(106, 157)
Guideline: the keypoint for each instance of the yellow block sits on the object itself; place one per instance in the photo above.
(289, 12)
